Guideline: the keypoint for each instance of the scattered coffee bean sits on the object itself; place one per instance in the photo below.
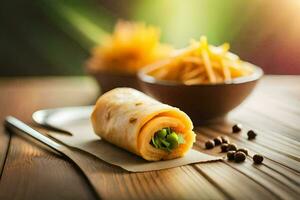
(239, 156)
(232, 147)
(209, 144)
(237, 128)
(257, 158)
(224, 147)
(225, 139)
(230, 155)
(251, 135)
(243, 150)
(218, 140)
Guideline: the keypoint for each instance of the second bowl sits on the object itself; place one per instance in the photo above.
(203, 103)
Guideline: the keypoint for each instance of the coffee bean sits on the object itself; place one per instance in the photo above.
(243, 150)
(209, 144)
(225, 139)
(218, 140)
(251, 135)
(239, 156)
(237, 128)
(230, 155)
(232, 147)
(224, 147)
(257, 158)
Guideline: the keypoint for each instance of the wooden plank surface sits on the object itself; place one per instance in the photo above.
(31, 171)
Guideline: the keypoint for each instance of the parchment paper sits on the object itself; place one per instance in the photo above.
(76, 121)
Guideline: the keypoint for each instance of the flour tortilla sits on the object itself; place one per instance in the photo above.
(129, 119)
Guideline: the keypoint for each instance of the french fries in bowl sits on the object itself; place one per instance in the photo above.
(131, 46)
(203, 80)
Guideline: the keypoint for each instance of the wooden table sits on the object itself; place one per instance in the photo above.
(31, 171)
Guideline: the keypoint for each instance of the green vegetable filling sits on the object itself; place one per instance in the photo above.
(166, 139)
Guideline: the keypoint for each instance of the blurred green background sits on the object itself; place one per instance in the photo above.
(54, 37)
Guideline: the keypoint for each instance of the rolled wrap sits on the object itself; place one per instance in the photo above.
(129, 119)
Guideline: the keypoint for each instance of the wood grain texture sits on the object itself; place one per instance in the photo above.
(4, 144)
(32, 171)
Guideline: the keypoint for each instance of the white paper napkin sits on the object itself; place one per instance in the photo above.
(76, 121)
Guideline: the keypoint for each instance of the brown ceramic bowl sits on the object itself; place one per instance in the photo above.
(108, 81)
(203, 103)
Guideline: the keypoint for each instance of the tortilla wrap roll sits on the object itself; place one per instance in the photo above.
(137, 123)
